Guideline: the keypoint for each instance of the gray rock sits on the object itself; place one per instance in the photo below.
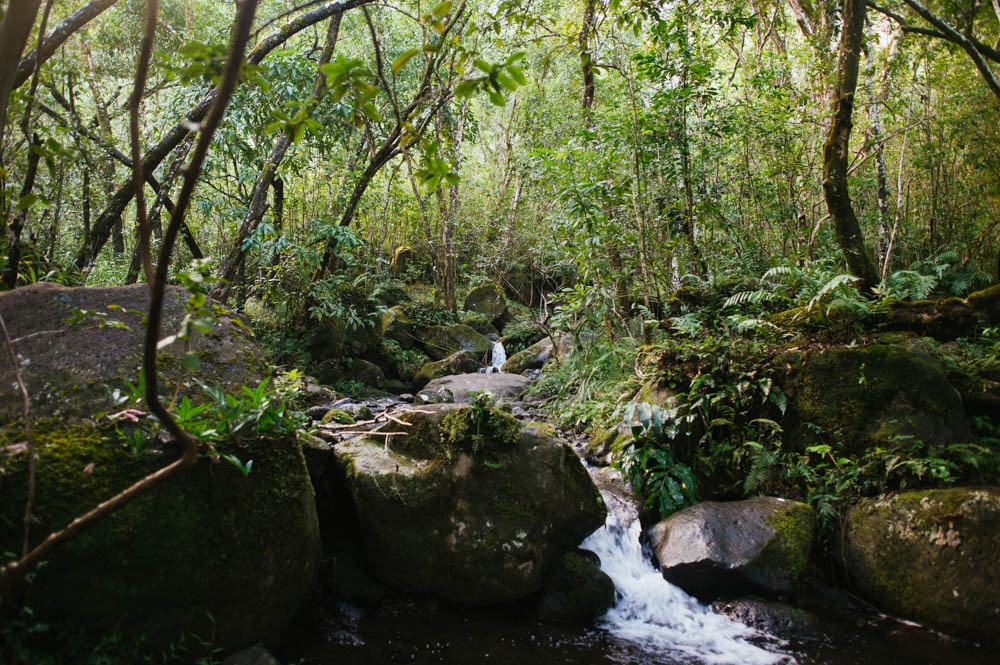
(65, 366)
(329, 371)
(406, 397)
(501, 386)
(773, 617)
(759, 544)
(538, 354)
(869, 396)
(317, 412)
(459, 362)
(488, 300)
(434, 397)
(439, 342)
(476, 512)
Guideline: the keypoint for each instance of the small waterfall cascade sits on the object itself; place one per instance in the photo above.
(659, 617)
(498, 356)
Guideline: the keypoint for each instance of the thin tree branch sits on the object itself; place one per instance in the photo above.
(141, 74)
(57, 36)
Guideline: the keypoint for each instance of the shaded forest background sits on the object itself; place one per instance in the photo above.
(636, 147)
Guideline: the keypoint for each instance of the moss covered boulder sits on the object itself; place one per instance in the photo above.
(876, 395)
(366, 372)
(538, 354)
(67, 359)
(488, 300)
(933, 556)
(457, 363)
(207, 541)
(759, 545)
(439, 342)
(394, 324)
(469, 505)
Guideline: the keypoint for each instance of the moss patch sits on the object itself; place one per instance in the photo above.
(208, 540)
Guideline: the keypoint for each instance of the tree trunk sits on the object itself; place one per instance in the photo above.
(14, 32)
(59, 34)
(14, 233)
(883, 189)
(587, 61)
(836, 150)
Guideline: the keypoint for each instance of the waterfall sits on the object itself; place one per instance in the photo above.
(498, 356)
(660, 617)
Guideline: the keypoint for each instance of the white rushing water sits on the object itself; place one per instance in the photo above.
(498, 356)
(660, 617)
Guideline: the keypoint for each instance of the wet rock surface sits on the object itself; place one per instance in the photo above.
(501, 386)
(719, 547)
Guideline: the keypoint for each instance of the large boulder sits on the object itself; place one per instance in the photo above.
(711, 548)
(394, 324)
(933, 556)
(877, 395)
(439, 342)
(578, 589)
(72, 342)
(457, 363)
(367, 372)
(469, 505)
(401, 258)
(488, 300)
(208, 552)
(464, 387)
(538, 354)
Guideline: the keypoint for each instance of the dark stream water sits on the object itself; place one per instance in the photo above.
(406, 632)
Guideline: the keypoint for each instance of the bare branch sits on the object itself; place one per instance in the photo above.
(141, 73)
(57, 36)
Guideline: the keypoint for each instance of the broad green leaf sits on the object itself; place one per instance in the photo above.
(442, 8)
(403, 58)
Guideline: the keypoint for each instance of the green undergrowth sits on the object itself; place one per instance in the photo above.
(706, 413)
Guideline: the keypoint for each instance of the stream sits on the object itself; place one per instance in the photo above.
(652, 623)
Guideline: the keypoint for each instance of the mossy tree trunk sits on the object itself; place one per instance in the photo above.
(836, 149)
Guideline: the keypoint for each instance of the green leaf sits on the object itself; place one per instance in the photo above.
(191, 362)
(506, 82)
(465, 89)
(370, 111)
(516, 74)
(442, 8)
(404, 58)
(483, 65)
(27, 201)
(497, 98)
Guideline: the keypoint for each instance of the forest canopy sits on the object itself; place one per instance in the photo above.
(633, 146)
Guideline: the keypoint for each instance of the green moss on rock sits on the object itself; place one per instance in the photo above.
(933, 556)
(468, 505)
(439, 342)
(208, 540)
(337, 416)
(863, 397)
